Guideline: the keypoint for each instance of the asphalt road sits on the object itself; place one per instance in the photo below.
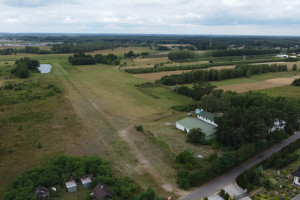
(217, 184)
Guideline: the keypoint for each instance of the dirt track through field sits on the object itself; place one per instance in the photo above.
(259, 85)
(114, 140)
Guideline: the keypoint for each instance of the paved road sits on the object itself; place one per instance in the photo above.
(217, 184)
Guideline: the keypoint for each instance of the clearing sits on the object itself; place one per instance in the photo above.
(259, 85)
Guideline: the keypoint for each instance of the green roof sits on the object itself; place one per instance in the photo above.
(191, 123)
(207, 115)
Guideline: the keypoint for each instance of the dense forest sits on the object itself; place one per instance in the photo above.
(244, 130)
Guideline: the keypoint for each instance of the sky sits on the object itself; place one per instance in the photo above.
(208, 17)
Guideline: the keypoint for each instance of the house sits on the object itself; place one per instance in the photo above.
(71, 186)
(86, 181)
(189, 123)
(278, 125)
(42, 193)
(296, 175)
(101, 191)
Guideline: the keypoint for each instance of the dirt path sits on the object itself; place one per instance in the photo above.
(114, 138)
(259, 85)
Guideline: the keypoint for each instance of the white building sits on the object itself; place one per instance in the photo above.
(278, 125)
(71, 186)
(282, 56)
(296, 175)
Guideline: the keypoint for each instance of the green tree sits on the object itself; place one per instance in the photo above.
(196, 136)
(294, 67)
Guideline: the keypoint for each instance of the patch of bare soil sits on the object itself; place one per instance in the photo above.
(259, 85)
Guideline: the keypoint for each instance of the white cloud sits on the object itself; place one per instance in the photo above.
(152, 16)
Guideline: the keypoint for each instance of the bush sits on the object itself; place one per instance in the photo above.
(139, 128)
(294, 67)
(196, 136)
(296, 82)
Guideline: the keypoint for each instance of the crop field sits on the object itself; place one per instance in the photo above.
(259, 85)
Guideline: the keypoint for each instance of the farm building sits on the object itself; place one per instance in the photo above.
(42, 193)
(189, 123)
(296, 175)
(101, 191)
(71, 186)
(206, 117)
(282, 56)
(85, 181)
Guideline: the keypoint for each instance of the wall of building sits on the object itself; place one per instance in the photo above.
(179, 126)
(296, 180)
(207, 120)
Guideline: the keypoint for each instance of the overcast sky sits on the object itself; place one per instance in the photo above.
(216, 17)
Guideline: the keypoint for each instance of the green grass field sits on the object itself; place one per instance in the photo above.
(96, 113)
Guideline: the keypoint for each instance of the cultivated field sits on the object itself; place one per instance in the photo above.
(259, 85)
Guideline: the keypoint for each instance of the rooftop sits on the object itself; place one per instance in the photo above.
(191, 123)
(85, 180)
(297, 172)
(296, 197)
(71, 184)
(207, 115)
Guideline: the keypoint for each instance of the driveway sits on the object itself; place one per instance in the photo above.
(217, 184)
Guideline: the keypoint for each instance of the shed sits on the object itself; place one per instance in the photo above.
(296, 175)
(42, 193)
(206, 117)
(189, 123)
(85, 181)
(101, 191)
(71, 186)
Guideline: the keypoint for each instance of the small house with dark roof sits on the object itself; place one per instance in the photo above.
(296, 175)
(42, 193)
(102, 191)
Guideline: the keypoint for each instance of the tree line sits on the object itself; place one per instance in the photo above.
(241, 52)
(27, 49)
(181, 55)
(197, 66)
(88, 59)
(217, 75)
